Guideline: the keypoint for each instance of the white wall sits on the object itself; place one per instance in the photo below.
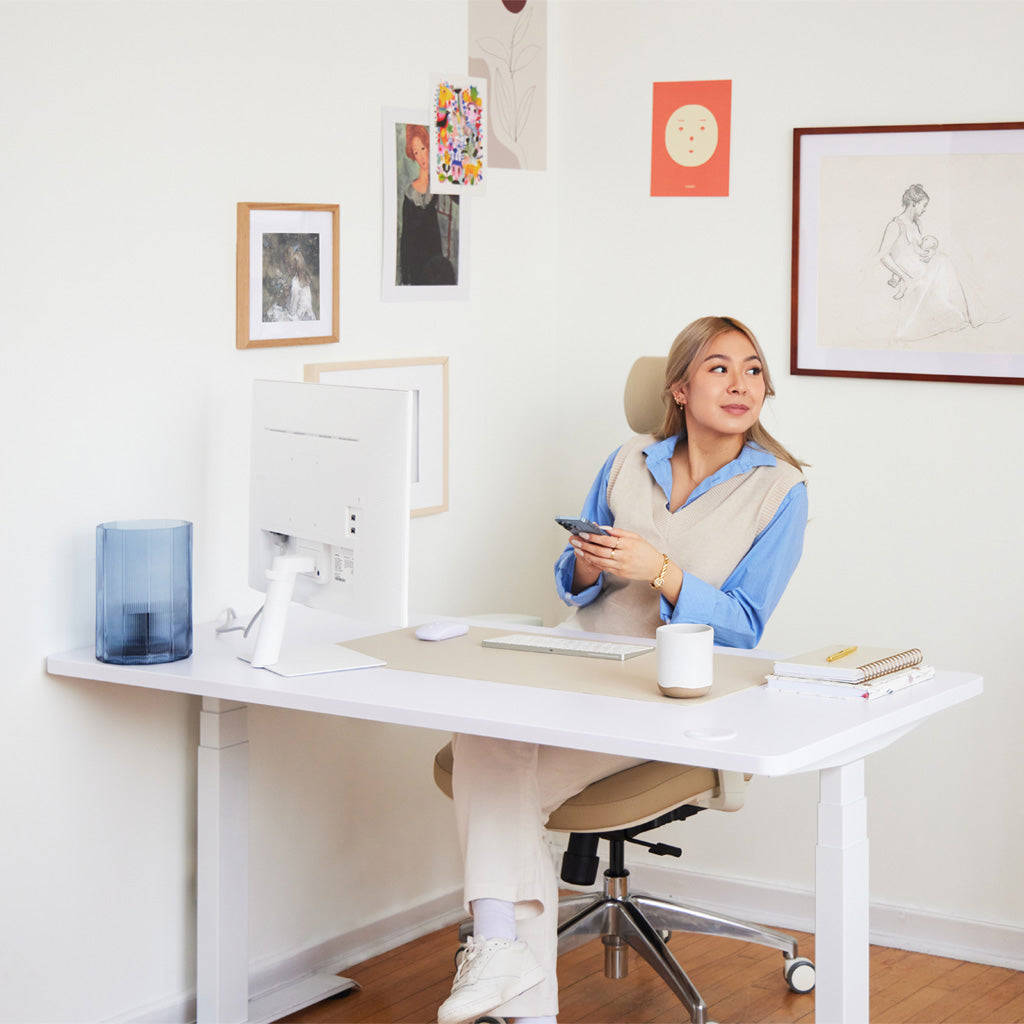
(915, 487)
(132, 130)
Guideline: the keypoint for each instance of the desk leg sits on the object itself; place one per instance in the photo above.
(841, 905)
(222, 914)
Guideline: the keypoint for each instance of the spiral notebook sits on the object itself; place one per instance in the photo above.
(881, 686)
(859, 666)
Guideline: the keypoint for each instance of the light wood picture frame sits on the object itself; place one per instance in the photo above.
(427, 379)
(286, 283)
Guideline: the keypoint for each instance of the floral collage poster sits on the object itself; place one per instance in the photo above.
(458, 133)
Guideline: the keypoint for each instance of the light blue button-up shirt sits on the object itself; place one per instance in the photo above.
(741, 608)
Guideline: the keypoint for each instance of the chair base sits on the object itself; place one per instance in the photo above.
(625, 920)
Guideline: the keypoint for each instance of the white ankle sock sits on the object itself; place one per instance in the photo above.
(535, 1020)
(493, 919)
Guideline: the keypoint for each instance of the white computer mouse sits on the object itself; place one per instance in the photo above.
(441, 630)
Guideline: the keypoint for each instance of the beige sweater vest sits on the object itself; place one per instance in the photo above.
(707, 538)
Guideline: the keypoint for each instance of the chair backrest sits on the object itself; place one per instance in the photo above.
(644, 398)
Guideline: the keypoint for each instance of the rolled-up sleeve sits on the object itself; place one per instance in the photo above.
(595, 508)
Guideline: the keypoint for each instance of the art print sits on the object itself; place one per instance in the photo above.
(286, 287)
(508, 50)
(902, 264)
(425, 241)
(291, 277)
(690, 138)
(458, 135)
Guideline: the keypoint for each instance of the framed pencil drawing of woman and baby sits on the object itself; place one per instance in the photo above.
(905, 262)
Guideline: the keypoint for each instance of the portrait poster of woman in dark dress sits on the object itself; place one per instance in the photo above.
(427, 224)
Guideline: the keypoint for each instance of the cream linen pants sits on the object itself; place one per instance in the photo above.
(504, 792)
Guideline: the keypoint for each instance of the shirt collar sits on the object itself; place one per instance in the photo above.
(659, 454)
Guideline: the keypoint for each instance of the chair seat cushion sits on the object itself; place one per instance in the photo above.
(626, 798)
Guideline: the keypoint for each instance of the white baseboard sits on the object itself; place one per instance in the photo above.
(896, 927)
(920, 931)
(330, 957)
(342, 951)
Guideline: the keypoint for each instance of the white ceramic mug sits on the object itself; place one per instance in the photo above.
(685, 659)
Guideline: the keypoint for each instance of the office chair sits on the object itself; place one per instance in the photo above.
(624, 806)
(618, 809)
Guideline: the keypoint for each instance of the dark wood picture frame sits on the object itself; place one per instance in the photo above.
(872, 294)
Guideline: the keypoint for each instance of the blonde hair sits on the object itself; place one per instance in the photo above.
(682, 361)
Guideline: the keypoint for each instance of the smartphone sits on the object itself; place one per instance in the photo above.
(578, 526)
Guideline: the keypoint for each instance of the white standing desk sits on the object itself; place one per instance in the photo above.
(752, 731)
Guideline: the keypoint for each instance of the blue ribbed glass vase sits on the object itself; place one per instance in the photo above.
(143, 591)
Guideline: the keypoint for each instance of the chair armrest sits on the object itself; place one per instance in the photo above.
(730, 791)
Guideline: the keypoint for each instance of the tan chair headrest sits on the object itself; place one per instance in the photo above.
(644, 399)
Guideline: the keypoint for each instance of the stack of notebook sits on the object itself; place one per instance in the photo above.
(849, 672)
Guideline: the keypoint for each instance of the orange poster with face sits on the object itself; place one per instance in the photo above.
(690, 138)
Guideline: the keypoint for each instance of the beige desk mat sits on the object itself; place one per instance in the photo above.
(465, 658)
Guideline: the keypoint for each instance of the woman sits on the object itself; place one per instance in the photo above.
(929, 291)
(422, 261)
(705, 523)
(299, 305)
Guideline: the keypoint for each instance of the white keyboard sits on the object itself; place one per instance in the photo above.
(614, 650)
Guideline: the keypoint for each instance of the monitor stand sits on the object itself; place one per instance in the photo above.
(301, 659)
(316, 658)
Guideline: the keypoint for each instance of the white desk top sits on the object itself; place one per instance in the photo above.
(752, 731)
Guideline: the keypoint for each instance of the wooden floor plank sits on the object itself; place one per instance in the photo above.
(741, 984)
(1013, 1012)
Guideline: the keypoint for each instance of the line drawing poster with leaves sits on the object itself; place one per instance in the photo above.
(508, 50)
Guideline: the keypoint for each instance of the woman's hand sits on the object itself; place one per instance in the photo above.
(621, 553)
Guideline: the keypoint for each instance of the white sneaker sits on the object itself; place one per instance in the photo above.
(490, 972)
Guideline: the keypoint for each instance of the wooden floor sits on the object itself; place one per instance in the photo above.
(739, 982)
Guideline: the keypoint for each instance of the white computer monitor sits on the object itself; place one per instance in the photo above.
(330, 493)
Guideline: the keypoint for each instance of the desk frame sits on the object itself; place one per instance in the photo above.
(222, 900)
(768, 734)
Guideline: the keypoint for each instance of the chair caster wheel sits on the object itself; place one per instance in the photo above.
(799, 974)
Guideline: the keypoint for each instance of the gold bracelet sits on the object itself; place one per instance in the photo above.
(659, 580)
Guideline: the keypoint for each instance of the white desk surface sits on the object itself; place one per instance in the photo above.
(752, 731)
